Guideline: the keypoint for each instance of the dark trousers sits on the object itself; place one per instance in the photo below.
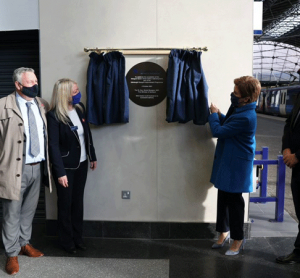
(295, 184)
(230, 214)
(70, 206)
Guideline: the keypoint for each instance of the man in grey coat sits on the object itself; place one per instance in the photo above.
(23, 161)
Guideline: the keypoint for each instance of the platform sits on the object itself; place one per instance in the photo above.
(137, 258)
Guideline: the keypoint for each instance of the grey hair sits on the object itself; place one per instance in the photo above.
(17, 76)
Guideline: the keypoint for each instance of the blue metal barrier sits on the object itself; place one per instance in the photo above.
(280, 184)
(264, 173)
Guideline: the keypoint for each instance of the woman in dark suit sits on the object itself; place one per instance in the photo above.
(233, 163)
(70, 145)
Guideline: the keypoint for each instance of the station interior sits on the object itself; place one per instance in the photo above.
(149, 207)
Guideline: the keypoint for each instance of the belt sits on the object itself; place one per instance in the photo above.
(32, 164)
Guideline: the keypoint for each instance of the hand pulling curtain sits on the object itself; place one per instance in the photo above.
(107, 91)
(186, 88)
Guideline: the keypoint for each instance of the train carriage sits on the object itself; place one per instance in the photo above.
(277, 101)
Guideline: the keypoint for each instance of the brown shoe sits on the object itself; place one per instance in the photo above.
(29, 251)
(12, 265)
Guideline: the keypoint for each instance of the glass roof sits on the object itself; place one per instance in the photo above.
(286, 22)
(276, 53)
(276, 62)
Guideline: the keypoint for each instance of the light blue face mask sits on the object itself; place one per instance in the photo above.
(76, 98)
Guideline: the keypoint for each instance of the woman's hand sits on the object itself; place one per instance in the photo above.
(63, 181)
(93, 165)
(213, 108)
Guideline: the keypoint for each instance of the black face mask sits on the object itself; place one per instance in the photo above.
(235, 101)
(31, 92)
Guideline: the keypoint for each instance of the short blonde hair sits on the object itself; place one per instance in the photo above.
(248, 86)
(61, 97)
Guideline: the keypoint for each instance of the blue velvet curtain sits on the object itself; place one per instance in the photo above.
(107, 91)
(186, 88)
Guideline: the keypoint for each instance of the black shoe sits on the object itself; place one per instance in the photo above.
(81, 246)
(289, 259)
(71, 250)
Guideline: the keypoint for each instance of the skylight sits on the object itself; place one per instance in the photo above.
(288, 23)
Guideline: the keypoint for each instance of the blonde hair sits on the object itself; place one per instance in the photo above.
(61, 97)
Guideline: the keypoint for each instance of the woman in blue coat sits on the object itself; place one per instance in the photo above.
(233, 161)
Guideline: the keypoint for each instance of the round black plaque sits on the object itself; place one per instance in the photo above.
(147, 84)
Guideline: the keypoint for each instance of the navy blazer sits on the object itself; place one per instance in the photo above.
(235, 151)
(64, 143)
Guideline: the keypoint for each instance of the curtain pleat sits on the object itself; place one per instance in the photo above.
(186, 88)
(107, 91)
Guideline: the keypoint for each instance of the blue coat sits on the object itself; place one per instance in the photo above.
(233, 163)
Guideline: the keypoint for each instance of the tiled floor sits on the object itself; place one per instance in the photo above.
(89, 267)
(158, 258)
(137, 258)
(263, 225)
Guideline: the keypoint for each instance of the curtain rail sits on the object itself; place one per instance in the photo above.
(145, 51)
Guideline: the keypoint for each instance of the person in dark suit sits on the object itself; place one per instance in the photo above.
(70, 145)
(291, 157)
(233, 163)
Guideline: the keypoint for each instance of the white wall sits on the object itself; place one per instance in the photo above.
(19, 15)
(166, 167)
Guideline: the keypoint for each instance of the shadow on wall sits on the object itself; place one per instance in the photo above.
(199, 157)
(185, 157)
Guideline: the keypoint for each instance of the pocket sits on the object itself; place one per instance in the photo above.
(6, 114)
(64, 154)
(244, 167)
(246, 156)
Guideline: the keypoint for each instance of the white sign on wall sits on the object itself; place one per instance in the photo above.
(257, 18)
(19, 15)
